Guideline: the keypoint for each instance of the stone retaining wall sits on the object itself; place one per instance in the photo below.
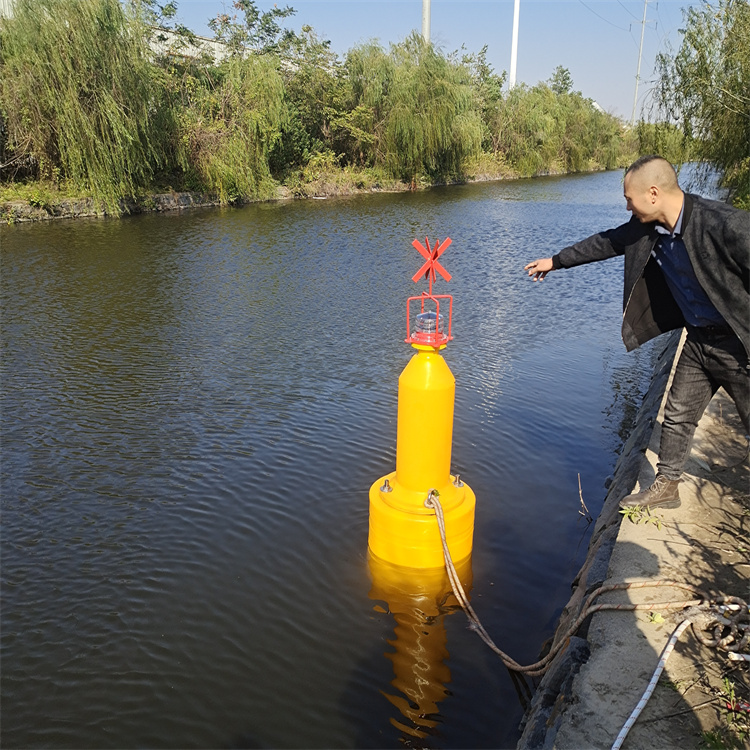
(541, 720)
(21, 211)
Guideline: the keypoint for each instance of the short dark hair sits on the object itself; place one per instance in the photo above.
(664, 168)
(642, 161)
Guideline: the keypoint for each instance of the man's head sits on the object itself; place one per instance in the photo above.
(651, 190)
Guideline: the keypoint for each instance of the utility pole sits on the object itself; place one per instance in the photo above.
(426, 21)
(638, 72)
(514, 45)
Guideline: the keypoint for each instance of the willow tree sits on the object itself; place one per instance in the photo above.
(705, 88)
(432, 126)
(229, 124)
(416, 106)
(79, 96)
(488, 93)
(528, 130)
(592, 139)
(664, 138)
(368, 74)
(539, 130)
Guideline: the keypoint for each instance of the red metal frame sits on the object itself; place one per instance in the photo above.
(429, 270)
(435, 339)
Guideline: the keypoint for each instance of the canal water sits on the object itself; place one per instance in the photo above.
(194, 406)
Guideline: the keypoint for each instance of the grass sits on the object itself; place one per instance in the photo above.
(641, 514)
(39, 193)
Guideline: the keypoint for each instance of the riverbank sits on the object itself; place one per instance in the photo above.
(44, 205)
(16, 212)
(595, 683)
(23, 211)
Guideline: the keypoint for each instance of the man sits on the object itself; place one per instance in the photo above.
(687, 263)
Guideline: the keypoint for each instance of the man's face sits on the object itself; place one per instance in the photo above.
(639, 200)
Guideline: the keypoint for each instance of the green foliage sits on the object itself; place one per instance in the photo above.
(313, 93)
(228, 126)
(561, 81)
(410, 110)
(541, 131)
(112, 99)
(40, 193)
(431, 127)
(641, 514)
(737, 730)
(488, 93)
(255, 32)
(665, 139)
(79, 96)
(368, 76)
(705, 88)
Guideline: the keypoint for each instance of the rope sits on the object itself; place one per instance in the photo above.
(540, 667)
(651, 685)
(728, 617)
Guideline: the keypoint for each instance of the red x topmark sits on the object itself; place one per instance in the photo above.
(431, 268)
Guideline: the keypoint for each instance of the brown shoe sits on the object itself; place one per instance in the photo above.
(663, 493)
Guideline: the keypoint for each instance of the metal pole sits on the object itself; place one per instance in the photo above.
(426, 21)
(514, 45)
(640, 53)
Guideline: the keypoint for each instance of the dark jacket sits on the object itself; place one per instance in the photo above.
(717, 238)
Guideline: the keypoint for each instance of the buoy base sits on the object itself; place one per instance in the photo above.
(404, 532)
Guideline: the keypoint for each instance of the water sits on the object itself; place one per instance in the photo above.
(193, 409)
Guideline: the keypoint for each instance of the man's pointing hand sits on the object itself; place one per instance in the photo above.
(538, 269)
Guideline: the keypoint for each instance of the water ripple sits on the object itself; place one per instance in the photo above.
(194, 408)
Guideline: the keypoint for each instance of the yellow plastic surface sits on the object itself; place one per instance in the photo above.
(426, 393)
(418, 601)
(402, 530)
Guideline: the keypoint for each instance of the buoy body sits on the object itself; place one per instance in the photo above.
(402, 530)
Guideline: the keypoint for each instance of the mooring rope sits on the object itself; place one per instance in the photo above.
(728, 617)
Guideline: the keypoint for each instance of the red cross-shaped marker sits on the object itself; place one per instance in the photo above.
(432, 266)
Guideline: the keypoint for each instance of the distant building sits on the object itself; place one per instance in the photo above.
(166, 42)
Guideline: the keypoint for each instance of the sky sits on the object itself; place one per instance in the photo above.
(596, 40)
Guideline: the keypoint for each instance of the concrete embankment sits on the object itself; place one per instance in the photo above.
(594, 684)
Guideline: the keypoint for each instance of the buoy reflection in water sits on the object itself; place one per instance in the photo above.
(419, 599)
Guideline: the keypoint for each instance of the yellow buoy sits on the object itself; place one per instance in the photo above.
(402, 530)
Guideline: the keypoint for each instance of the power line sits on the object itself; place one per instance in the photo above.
(627, 10)
(640, 54)
(665, 27)
(602, 17)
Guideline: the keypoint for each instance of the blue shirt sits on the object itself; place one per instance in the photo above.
(671, 255)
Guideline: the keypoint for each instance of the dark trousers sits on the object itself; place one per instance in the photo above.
(710, 358)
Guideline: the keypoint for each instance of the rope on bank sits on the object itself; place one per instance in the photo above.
(726, 617)
(738, 625)
(651, 685)
(540, 667)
